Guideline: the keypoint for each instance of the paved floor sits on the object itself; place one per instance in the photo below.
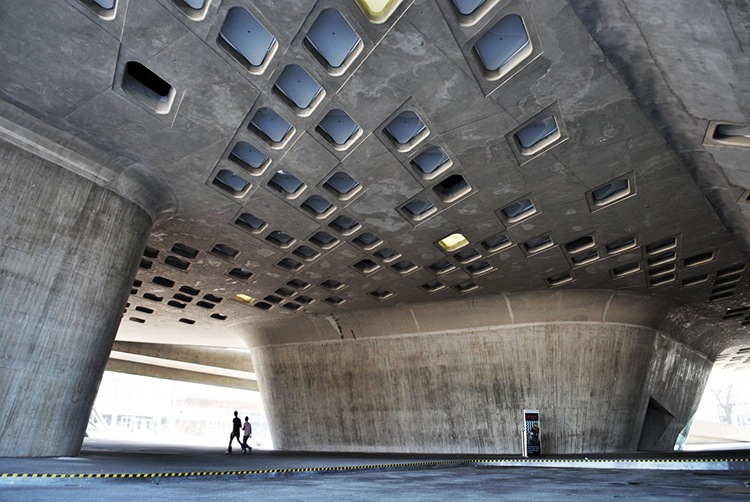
(430, 482)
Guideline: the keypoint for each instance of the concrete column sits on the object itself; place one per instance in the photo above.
(69, 251)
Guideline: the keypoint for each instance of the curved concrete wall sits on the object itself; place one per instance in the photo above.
(69, 252)
(464, 392)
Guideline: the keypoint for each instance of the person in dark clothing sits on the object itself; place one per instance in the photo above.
(236, 426)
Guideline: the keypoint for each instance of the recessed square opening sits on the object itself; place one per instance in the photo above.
(220, 317)
(287, 184)
(195, 10)
(234, 185)
(148, 88)
(453, 242)
(145, 310)
(419, 209)
(177, 263)
(285, 292)
(559, 279)
(146, 264)
(185, 251)
(339, 130)
(324, 240)
(213, 298)
(720, 296)
(479, 268)
(503, 47)
(292, 306)
(496, 243)
(304, 300)
(432, 287)
(734, 269)
(176, 304)
(332, 284)
(137, 283)
(518, 210)
(469, 12)
(345, 225)
(343, 186)
(271, 128)
(332, 42)
(242, 298)
(621, 245)
(186, 320)
(698, 279)
(406, 131)
(153, 297)
(579, 245)
(105, 9)
(240, 273)
(466, 256)
(366, 266)
(289, 265)
(737, 135)
(137, 319)
(452, 188)
(150, 252)
(251, 223)
(662, 279)
(381, 294)
(611, 192)
(431, 162)
(538, 135)
(722, 289)
(205, 305)
(661, 259)
(273, 299)
(306, 253)
(404, 267)
(224, 251)
(367, 241)
(247, 41)
(442, 267)
(661, 245)
(163, 281)
(334, 300)
(625, 270)
(281, 239)
(249, 158)
(387, 255)
(298, 90)
(728, 280)
(190, 291)
(699, 259)
(378, 11)
(298, 284)
(663, 270)
(318, 207)
(182, 298)
(466, 287)
(538, 244)
(133, 291)
(584, 258)
(263, 306)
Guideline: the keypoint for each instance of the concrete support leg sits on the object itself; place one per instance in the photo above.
(69, 251)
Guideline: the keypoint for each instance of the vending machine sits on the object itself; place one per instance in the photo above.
(532, 445)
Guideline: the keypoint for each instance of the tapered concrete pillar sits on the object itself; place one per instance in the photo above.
(69, 251)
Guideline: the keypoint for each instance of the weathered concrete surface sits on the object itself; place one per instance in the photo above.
(464, 391)
(69, 253)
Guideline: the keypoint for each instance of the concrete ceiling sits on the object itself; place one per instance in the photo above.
(633, 102)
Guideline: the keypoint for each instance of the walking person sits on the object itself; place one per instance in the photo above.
(248, 433)
(236, 426)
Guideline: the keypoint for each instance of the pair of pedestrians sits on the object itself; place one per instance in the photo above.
(247, 433)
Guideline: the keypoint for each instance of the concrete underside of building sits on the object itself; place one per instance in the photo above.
(369, 228)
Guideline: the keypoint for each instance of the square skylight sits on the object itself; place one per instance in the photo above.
(452, 188)
(518, 210)
(339, 130)
(345, 225)
(280, 239)
(105, 9)
(195, 10)
(442, 267)
(538, 135)
(466, 256)
(306, 253)
(503, 47)
(404, 267)
(318, 206)
(611, 192)
(367, 241)
(538, 244)
(342, 185)
(496, 243)
(381, 294)
(419, 209)
(387, 255)
(453, 242)
(378, 11)
(272, 128)
(432, 162)
(250, 158)
(252, 223)
(240, 273)
(366, 266)
(432, 287)
(406, 131)
(324, 240)
(333, 42)
(299, 90)
(225, 251)
(289, 265)
(287, 184)
(229, 182)
(148, 88)
(248, 41)
(332, 284)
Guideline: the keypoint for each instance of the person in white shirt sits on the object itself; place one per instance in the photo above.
(248, 432)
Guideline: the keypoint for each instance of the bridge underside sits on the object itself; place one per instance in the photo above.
(376, 216)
